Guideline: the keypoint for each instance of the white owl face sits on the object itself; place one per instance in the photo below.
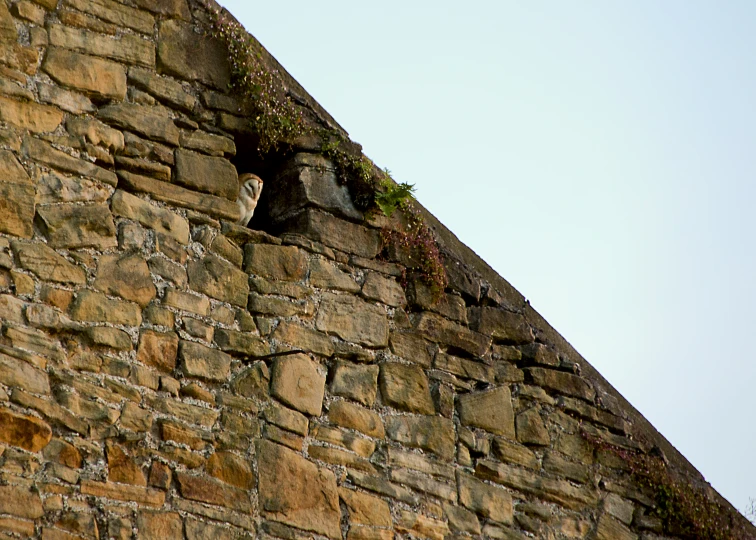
(249, 194)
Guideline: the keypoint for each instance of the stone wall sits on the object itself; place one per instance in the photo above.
(165, 373)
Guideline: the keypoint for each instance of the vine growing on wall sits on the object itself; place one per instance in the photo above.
(277, 120)
(685, 509)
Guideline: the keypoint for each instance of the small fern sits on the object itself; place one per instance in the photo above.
(393, 195)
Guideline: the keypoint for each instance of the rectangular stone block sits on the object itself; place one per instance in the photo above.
(565, 383)
(190, 56)
(44, 153)
(21, 502)
(124, 492)
(295, 381)
(16, 373)
(141, 119)
(467, 369)
(406, 388)
(29, 115)
(353, 320)
(444, 331)
(204, 362)
(490, 410)
(128, 49)
(95, 77)
(163, 191)
(116, 13)
(218, 279)
(214, 175)
(17, 209)
(431, 433)
(334, 232)
(287, 263)
(504, 326)
(489, 501)
(209, 491)
(90, 306)
(127, 205)
(303, 338)
(48, 265)
(351, 416)
(186, 412)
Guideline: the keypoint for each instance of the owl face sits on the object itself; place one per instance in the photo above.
(249, 194)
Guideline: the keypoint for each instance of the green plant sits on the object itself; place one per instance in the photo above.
(393, 195)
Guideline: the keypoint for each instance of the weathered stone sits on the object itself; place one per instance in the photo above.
(336, 233)
(33, 340)
(159, 525)
(353, 320)
(531, 430)
(158, 349)
(109, 337)
(420, 463)
(97, 78)
(282, 288)
(572, 471)
(135, 418)
(239, 343)
(283, 437)
(490, 410)
(296, 381)
(11, 89)
(116, 13)
(170, 8)
(199, 530)
(405, 387)
(461, 520)
(387, 291)
(228, 250)
(204, 362)
(54, 188)
(359, 383)
(334, 456)
(450, 306)
(447, 332)
(17, 209)
(381, 486)
(191, 56)
(365, 509)
(29, 115)
(75, 226)
(503, 325)
(17, 373)
(8, 31)
(168, 270)
(427, 432)
(326, 275)
(489, 501)
(593, 414)
(90, 306)
(278, 307)
(126, 276)
(144, 167)
(467, 369)
(208, 143)
(142, 120)
(60, 451)
(67, 100)
(285, 263)
(421, 526)
(122, 468)
(296, 492)
(51, 411)
(218, 279)
(187, 302)
(22, 431)
(303, 338)
(95, 132)
(411, 347)
(43, 152)
(128, 48)
(208, 174)
(20, 501)
(339, 437)
(422, 482)
(609, 528)
(559, 491)
(355, 417)
(565, 383)
(231, 469)
(163, 191)
(123, 492)
(286, 418)
(191, 414)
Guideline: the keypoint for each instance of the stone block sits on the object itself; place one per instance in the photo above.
(405, 387)
(286, 418)
(214, 175)
(504, 326)
(97, 78)
(276, 306)
(461, 520)
(208, 143)
(231, 469)
(78, 226)
(295, 381)
(186, 412)
(286, 263)
(185, 54)
(109, 337)
(29, 115)
(359, 445)
(90, 306)
(296, 492)
(204, 362)
(365, 509)
(424, 297)
(348, 415)
(326, 275)
(122, 468)
(531, 430)
(240, 343)
(126, 276)
(486, 500)
(490, 410)
(44, 153)
(420, 526)
(46, 264)
(23, 431)
(16, 373)
(19, 501)
(209, 491)
(411, 347)
(425, 483)
(159, 524)
(128, 49)
(310, 180)
(135, 418)
(303, 338)
(17, 209)
(378, 484)
(218, 279)
(67, 100)
(116, 13)
(142, 120)
(171, 9)
(123, 492)
(8, 32)
(572, 471)
(334, 232)
(357, 382)
(564, 383)
(384, 290)
(126, 205)
(335, 456)
(467, 369)
(441, 330)
(353, 320)
(609, 528)
(430, 433)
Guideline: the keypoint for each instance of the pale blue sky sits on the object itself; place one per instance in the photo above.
(599, 155)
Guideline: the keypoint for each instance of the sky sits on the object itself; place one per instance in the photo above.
(599, 155)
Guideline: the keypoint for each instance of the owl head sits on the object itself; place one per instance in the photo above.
(249, 194)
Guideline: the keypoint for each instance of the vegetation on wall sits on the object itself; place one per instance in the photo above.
(278, 121)
(685, 509)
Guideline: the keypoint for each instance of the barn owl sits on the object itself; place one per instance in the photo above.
(251, 187)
